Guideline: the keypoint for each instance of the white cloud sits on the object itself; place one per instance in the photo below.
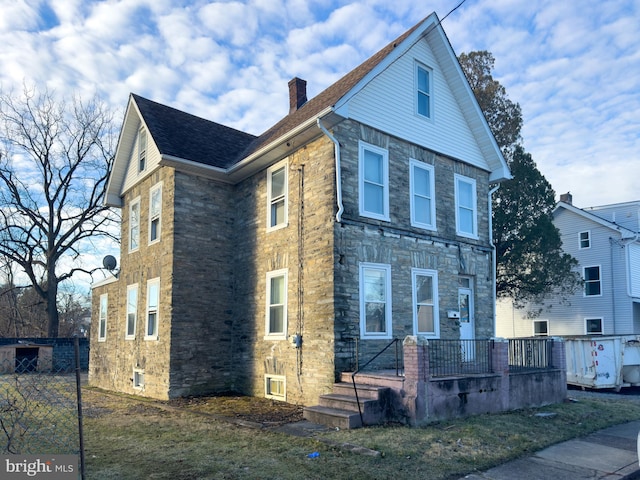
(568, 64)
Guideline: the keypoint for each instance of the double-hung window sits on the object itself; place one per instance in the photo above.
(585, 240)
(423, 205)
(102, 322)
(373, 180)
(132, 311)
(423, 91)
(153, 301)
(142, 150)
(155, 211)
(425, 303)
(375, 300)
(134, 225)
(277, 197)
(592, 282)
(466, 207)
(276, 308)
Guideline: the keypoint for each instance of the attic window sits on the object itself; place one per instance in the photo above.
(423, 91)
(142, 150)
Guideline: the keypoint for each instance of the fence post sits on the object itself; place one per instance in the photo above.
(416, 374)
(500, 365)
(76, 346)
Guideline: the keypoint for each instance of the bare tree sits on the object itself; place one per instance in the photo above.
(54, 164)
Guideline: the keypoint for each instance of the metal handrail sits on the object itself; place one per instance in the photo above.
(353, 375)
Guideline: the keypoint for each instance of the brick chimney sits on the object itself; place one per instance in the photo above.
(567, 198)
(297, 93)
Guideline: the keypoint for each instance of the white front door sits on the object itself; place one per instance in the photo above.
(467, 323)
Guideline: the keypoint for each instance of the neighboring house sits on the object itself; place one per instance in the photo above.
(253, 264)
(605, 241)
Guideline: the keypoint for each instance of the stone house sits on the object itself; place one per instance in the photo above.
(605, 240)
(255, 264)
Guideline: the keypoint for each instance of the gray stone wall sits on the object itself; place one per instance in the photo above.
(112, 362)
(397, 243)
(215, 252)
(305, 248)
(202, 293)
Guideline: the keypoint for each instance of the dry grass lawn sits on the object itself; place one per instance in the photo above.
(131, 438)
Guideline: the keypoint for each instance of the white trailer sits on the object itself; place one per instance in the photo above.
(603, 361)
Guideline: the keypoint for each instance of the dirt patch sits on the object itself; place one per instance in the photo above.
(255, 410)
(251, 409)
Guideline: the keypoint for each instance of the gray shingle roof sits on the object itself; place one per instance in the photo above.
(186, 136)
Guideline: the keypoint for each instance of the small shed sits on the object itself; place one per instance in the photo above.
(26, 357)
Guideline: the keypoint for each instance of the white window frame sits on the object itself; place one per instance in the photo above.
(103, 314)
(275, 379)
(152, 310)
(131, 310)
(362, 182)
(284, 197)
(143, 146)
(533, 326)
(473, 208)
(586, 330)
(155, 215)
(138, 378)
(428, 93)
(413, 165)
(269, 335)
(134, 227)
(420, 272)
(587, 240)
(386, 269)
(587, 282)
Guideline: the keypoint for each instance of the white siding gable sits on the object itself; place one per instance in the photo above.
(133, 176)
(387, 103)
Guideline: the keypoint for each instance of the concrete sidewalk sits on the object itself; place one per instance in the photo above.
(610, 453)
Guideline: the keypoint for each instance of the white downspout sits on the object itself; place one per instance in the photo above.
(493, 256)
(338, 180)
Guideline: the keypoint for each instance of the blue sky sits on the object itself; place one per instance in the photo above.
(574, 66)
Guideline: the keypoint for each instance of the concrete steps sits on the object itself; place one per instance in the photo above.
(340, 408)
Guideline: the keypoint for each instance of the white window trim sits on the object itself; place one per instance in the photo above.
(580, 247)
(152, 217)
(601, 325)
(533, 327)
(278, 335)
(267, 391)
(270, 171)
(150, 283)
(143, 154)
(138, 373)
(413, 163)
(103, 298)
(419, 65)
(362, 146)
(584, 278)
(135, 201)
(127, 336)
(388, 317)
(461, 178)
(415, 273)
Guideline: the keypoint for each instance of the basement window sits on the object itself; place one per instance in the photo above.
(275, 387)
(138, 379)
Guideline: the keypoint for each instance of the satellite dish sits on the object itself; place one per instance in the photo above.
(109, 262)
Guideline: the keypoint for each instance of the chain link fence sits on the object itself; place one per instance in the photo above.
(40, 409)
